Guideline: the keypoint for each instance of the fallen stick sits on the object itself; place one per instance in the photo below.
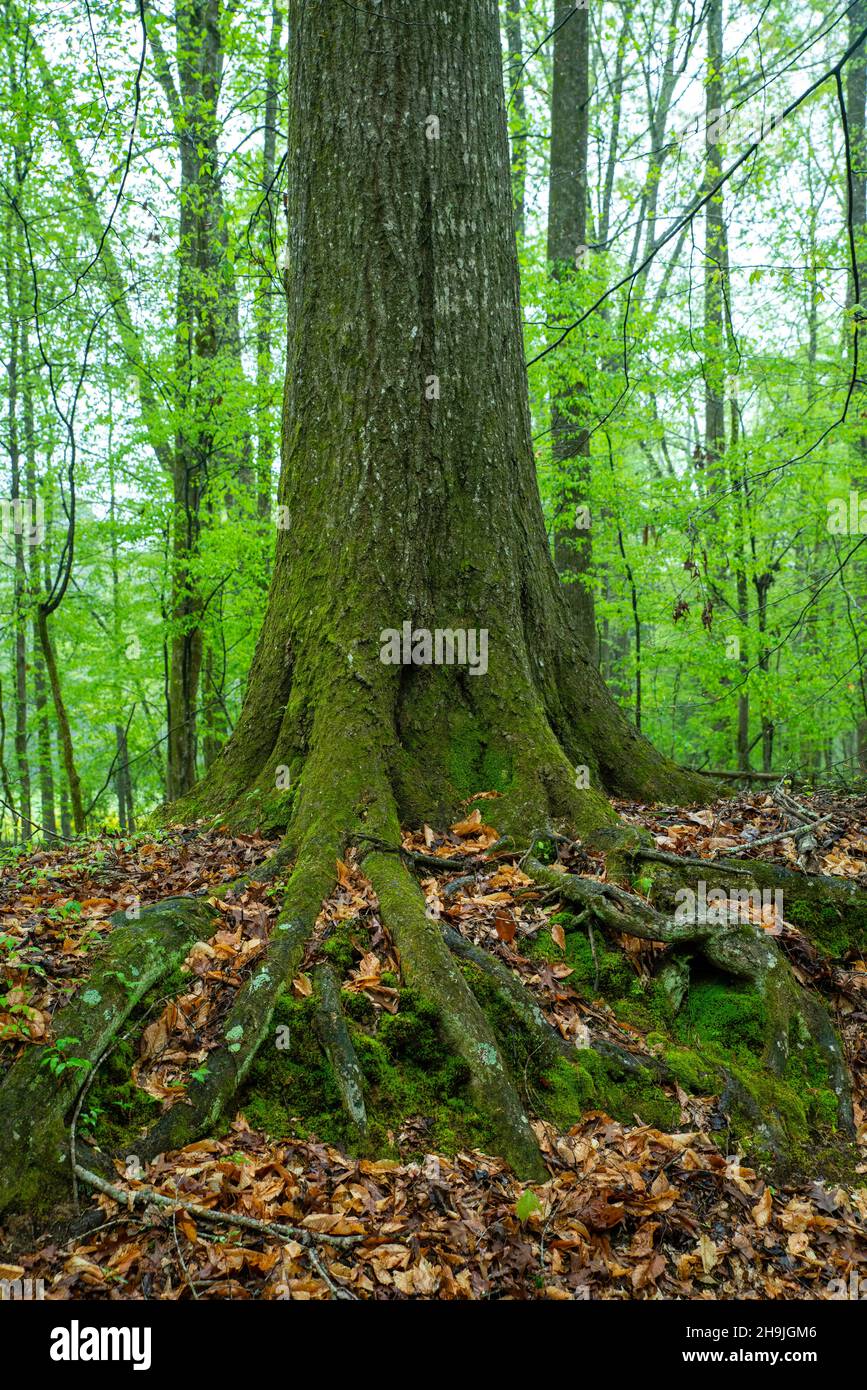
(137, 1196)
(796, 834)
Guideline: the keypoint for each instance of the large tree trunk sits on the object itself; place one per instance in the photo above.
(410, 493)
(408, 478)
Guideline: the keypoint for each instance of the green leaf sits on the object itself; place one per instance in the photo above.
(526, 1204)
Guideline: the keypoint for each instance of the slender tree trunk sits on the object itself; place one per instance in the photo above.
(63, 726)
(212, 453)
(65, 818)
(9, 808)
(714, 256)
(43, 728)
(717, 320)
(123, 787)
(216, 728)
(45, 766)
(567, 233)
(856, 103)
(265, 434)
(516, 91)
(20, 529)
(122, 779)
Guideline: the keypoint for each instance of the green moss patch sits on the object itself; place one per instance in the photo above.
(474, 762)
(714, 1045)
(116, 1111)
(561, 1091)
(411, 1081)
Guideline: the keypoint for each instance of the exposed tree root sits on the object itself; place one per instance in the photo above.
(831, 910)
(433, 960)
(350, 797)
(249, 1018)
(819, 902)
(36, 1098)
(428, 966)
(795, 1018)
(519, 1001)
(337, 1046)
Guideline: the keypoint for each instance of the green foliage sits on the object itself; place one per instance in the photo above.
(56, 1060)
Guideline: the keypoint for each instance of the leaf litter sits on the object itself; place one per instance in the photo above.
(629, 1212)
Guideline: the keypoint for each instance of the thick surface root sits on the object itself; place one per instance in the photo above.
(795, 1019)
(39, 1092)
(519, 1002)
(338, 1048)
(248, 1021)
(346, 793)
(428, 966)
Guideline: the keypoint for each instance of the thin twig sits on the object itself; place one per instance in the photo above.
(142, 1195)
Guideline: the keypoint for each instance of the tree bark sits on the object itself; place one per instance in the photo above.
(515, 90)
(567, 234)
(63, 726)
(19, 510)
(265, 433)
(408, 475)
(410, 490)
(212, 450)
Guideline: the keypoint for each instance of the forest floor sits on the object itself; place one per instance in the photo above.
(630, 1211)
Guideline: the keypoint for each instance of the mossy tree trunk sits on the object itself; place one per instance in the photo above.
(408, 496)
(408, 489)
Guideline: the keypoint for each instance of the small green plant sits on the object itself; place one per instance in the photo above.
(90, 1117)
(526, 1204)
(64, 911)
(545, 851)
(57, 1063)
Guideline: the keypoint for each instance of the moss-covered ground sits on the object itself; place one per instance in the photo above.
(715, 1043)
